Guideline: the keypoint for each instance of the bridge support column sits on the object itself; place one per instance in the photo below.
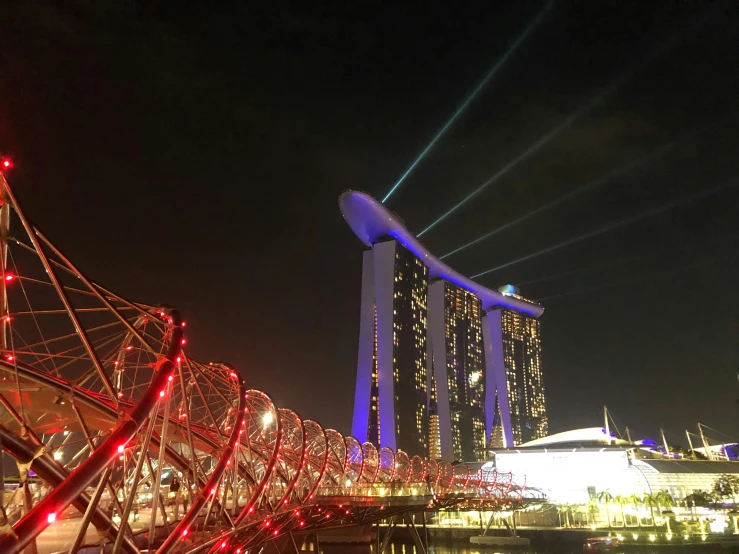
(422, 548)
(407, 518)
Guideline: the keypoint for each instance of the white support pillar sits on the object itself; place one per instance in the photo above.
(384, 278)
(495, 375)
(363, 389)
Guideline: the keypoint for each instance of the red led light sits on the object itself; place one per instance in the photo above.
(7, 163)
(183, 342)
(275, 533)
(267, 523)
(51, 518)
(301, 523)
(121, 448)
(184, 532)
(10, 358)
(9, 277)
(223, 544)
(161, 394)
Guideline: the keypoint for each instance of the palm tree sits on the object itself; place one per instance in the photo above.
(621, 501)
(651, 501)
(636, 500)
(566, 508)
(665, 500)
(606, 497)
(592, 508)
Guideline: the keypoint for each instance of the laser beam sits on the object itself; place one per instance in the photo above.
(623, 261)
(615, 225)
(471, 96)
(650, 275)
(593, 183)
(663, 47)
(554, 203)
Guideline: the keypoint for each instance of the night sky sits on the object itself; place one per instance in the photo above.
(193, 155)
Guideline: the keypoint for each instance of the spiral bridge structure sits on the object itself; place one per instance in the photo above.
(114, 440)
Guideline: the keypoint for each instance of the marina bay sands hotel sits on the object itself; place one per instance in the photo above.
(447, 368)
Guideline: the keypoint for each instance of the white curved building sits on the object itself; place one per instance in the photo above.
(575, 466)
(438, 351)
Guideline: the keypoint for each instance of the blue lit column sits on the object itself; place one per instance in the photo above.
(363, 390)
(384, 274)
(495, 375)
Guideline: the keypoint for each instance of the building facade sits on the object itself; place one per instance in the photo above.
(391, 399)
(423, 328)
(513, 350)
(455, 335)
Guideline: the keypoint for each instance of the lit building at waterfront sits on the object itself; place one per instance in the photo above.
(419, 320)
(515, 352)
(391, 401)
(575, 467)
(455, 331)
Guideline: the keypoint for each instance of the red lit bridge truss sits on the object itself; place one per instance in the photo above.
(114, 440)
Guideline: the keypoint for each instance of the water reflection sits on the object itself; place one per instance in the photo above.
(400, 547)
(463, 547)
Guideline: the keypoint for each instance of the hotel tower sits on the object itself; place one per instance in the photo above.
(445, 365)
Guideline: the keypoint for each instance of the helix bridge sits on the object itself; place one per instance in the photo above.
(115, 440)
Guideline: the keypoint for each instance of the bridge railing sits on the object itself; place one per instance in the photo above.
(359, 490)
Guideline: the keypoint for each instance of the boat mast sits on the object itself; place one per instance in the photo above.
(664, 441)
(709, 454)
(690, 442)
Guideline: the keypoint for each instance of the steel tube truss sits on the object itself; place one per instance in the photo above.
(135, 445)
